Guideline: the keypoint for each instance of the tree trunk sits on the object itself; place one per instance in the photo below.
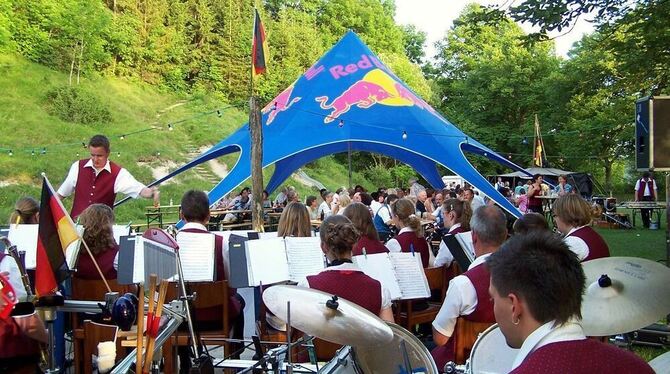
(256, 164)
(81, 57)
(607, 164)
(74, 57)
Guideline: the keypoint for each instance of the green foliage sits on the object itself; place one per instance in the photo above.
(74, 104)
(414, 42)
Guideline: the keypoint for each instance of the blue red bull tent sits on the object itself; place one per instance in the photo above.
(350, 100)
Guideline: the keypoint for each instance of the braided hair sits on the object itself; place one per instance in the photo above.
(338, 235)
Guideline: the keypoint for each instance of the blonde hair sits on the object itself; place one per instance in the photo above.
(294, 221)
(25, 211)
(98, 220)
(405, 210)
(344, 200)
(573, 210)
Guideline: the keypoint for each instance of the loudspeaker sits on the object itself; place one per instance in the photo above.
(652, 133)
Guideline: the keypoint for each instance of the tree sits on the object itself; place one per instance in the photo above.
(414, 42)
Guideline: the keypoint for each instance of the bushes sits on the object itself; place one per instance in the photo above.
(74, 104)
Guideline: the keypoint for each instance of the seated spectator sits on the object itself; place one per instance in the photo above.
(539, 311)
(456, 216)
(522, 202)
(292, 196)
(324, 209)
(563, 187)
(26, 211)
(344, 201)
(410, 238)
(377, 201)
(240, 202)
(530, 222)
(312, 207)
(383, 219)
(267, 204)
(294, 221)
(280, 199)
(342, 277)
(573, 216)
(368, 243)
(518, 188)
(98, 220)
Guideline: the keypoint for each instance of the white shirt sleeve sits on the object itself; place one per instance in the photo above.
(9, 265)
(578, 246)
(386, 297)
(393, 246)
(461, 299)
(444, 256)
(68, 185)
(127, 184)
(116, 261)
(384, 213)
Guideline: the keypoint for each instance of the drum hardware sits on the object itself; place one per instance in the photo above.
(273, 357)
(625, 289)
(452, 368)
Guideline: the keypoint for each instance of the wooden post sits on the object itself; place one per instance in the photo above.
(667, 220)
(256, 130)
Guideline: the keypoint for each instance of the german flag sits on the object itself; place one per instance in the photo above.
(56, 231)
(259, 47)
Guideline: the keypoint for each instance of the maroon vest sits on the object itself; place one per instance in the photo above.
(481, 278)
(351, 285)
(643, 187)
(457, 230)
(92, 190)
(213, 313)
(597, 246)
(420, 245)
(86, 269)
(582, 356)
(371, 246)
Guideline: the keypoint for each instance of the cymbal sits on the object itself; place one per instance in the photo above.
(635, 296)
(349, 324)
(661, 364)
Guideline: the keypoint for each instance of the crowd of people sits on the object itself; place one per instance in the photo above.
(528, 279)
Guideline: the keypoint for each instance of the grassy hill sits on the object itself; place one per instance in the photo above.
(29, 125)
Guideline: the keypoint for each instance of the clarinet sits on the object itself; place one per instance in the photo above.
(12, 251)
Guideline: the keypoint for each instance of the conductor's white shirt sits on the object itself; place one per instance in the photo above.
(125, 183)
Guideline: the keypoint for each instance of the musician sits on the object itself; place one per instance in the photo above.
(342, 277)
(456, 215)
(368, 243)
(98, 220)
(573, 216)
(383, 218)
(20, 335)
(98, 180)
(294, 221)
(410, 238)
(26, 211)
(646, 190)
(195, 212)
(536, 287)
(530, 222)
(467, 294)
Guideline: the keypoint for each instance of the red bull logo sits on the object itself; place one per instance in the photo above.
(376, 87)
(281, 103)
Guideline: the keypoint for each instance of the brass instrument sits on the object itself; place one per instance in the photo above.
(19, 257)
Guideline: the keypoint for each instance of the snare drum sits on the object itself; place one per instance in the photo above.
(342, 363)
(389, 358)
(491, 354)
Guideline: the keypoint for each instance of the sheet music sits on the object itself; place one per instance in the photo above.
(153, 258)
(411, 277)
(138, 261)
(119, 231)
(24, 237)
(465, 240)
(196, 252)
(304, 257)
(379, 267)
(266, 261)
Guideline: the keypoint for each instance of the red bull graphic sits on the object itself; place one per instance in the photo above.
(281, 103)
(376, 87)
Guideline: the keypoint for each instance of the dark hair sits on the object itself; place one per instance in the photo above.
(646, 174)
(310, 199)
(294, 221)
(195, 206)
(339, 235)
(405, 210)
(366, 199)
(98, 220)
(245, 189)
(25, 211)
(540, 269)
(99, 141)
(359, 214)
(461, 208)
(375, 195)
(490, 224)
(530, 222)
(359, 188)
(391, 198)
(535, 176)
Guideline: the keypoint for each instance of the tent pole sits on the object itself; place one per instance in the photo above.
(349, 161)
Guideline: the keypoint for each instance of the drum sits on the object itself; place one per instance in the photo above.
(491, 354)
(342, 363)
(390, 358)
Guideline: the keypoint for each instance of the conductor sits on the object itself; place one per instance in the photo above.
(98, 180)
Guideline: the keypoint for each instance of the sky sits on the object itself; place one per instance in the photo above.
(435, 17)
